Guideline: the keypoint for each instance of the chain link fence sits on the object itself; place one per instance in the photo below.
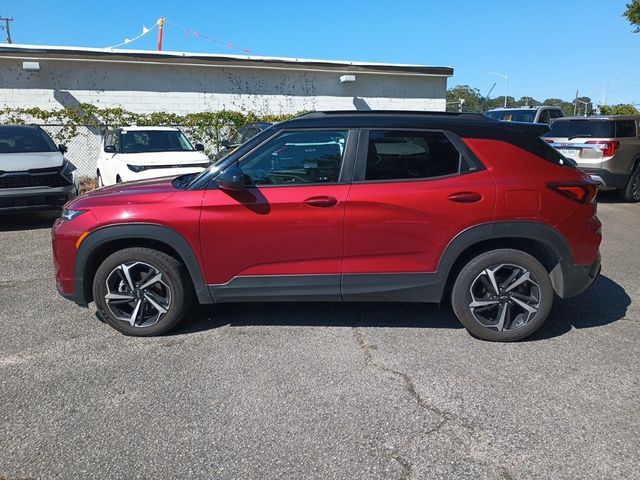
(84, 146)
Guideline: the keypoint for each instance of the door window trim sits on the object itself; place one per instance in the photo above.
(346, 168)
(469, 162)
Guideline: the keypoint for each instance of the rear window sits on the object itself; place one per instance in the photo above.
(25, 140)
(513, 115)
(582, 128)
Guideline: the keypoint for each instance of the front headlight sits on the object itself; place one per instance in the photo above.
(136, 168)
(69, 171)
(69, 215)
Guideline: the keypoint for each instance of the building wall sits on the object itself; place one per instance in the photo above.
(144, 88)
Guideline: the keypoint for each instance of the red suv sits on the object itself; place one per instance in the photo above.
(345, 206)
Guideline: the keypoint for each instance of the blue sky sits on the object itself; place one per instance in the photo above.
(547, 48)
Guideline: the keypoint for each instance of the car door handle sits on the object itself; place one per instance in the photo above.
(321, 201)
(465, 197)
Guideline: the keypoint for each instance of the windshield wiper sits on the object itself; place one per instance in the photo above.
(580, 135)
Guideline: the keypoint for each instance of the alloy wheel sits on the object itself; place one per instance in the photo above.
(504, 297)
(137, 294)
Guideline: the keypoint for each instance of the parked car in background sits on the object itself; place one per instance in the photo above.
(33, 171)
(135, 153)
(345, 206)
(605, 147)
(244, 134)
(540, 114)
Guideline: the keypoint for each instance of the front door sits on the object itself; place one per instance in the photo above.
(281, 238)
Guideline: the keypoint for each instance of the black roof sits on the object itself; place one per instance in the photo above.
(474, 125)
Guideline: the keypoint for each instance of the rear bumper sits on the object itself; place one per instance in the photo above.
(578, 278)
(14, 200)
(606, 179)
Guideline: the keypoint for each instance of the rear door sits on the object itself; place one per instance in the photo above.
(282, 237)
(413, 192)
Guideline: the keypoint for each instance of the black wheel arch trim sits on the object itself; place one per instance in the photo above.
(150, 231)
(540, 232)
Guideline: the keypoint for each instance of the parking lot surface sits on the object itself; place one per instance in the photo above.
(318, 390)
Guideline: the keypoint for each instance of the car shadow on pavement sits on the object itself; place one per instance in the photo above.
(28, 220)
(401, 315)
(603, 303)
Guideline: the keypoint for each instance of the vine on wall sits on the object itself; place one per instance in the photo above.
(209, 128)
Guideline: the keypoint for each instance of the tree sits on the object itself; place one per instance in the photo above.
(633, 14)
(471, 96)
(620, 109)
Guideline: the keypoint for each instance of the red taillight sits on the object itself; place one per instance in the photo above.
(608, 148)
(580, 192)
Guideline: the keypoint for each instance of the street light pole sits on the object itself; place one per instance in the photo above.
(506, 85)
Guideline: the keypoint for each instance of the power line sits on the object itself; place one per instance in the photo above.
(188, 31)
(7, 27)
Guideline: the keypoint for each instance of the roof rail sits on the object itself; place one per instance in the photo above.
(461, 115)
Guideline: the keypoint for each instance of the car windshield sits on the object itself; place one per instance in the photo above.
(513, 115)
(25, 140)
(143, 141)
(582, 128)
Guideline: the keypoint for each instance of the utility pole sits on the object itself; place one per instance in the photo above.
(7, 27)
(160, 29)
(575, 104)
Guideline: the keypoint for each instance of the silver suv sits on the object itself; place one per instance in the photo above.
(540, 114)
(605, 147)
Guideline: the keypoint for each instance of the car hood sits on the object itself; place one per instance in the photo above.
(19, 162)
(142, 191)
(163, 158)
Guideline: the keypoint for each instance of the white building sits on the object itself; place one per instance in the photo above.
(51, 77)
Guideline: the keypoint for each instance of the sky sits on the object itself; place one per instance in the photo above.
(548, 49)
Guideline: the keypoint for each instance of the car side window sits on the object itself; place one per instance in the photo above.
(555, 114)
(402, 155)
(544, 117)
(625, 128)
(294, 158)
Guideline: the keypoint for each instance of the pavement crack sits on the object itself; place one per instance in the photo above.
(405, 464)
(409, 384)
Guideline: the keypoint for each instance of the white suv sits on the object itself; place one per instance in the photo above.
(135, 153)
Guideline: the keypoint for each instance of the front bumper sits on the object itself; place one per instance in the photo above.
(14, 200)
(578, 278)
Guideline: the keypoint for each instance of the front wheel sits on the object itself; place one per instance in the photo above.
(502, 295)
(141, 292)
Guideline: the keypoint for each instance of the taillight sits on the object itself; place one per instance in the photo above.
(580, 192)
(608, 148)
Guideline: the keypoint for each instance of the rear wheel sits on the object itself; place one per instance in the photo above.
(118, 179)
(141, 292)
(502, 295)
(631, 193)
(100, 182)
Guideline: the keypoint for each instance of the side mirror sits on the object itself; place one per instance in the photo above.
(109, 149)
(231, 179)
(225, 143)
(199, 147)
(62, 148)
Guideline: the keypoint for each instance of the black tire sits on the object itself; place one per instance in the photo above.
(118, 179)
(142, 264)
(631, 193)
(517, 323)
(100, 182)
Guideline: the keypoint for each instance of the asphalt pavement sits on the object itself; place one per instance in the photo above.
(345, 391)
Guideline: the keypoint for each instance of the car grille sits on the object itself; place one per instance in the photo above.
(33, 178)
